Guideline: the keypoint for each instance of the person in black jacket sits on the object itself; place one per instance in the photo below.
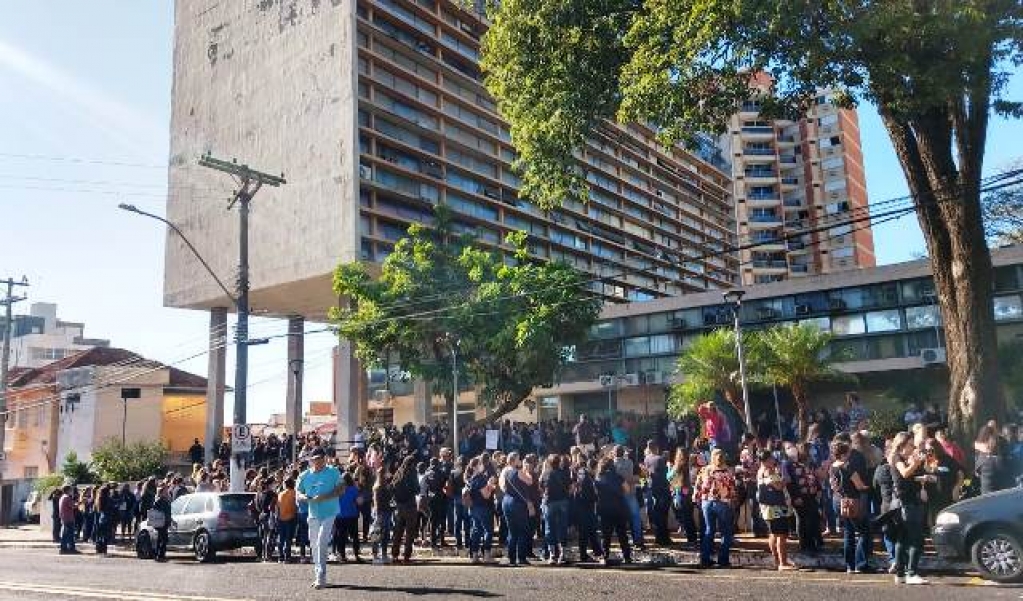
(584, 501)
(404, 488)
(612, 509)
(163, 505)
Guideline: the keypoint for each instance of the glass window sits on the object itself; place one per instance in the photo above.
(1008, 307)
(606, 329)
(920, 340)
(848, 350)
(918, 291)
(847, 325)
(636, 325)
(1007, 278)
(178, 506)
(635, 347)
(822, 323)
(884, 347)
(662, 344)
(884, 321)
(927, 316)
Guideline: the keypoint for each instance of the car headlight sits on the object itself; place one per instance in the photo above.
(947, 518)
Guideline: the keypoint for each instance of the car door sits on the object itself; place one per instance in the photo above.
(191, 518)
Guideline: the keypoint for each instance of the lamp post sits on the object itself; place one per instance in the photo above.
(735, 298)
(453, 343)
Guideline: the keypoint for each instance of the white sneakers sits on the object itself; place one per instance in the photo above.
(910, 580)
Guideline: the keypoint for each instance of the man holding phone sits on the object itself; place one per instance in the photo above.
(320, 486)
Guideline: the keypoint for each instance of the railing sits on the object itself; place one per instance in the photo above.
(763, 197)
(760, 173)
(788, 159)
(771, 264)
(757, 129)
(794, 181)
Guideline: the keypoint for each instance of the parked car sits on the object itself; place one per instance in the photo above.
(204, 524)
(987, 530)
(32, 507)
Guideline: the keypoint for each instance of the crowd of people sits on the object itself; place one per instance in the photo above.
(536, 489)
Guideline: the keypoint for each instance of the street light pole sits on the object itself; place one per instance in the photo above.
(454, 404)
(735, 297)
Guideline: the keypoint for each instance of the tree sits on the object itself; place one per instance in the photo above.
(77, 471)
(795, 357)
(710, 365)
(514, 321)
(934, 70)
(117, 462)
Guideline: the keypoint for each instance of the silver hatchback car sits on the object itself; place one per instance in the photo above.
(203, 524)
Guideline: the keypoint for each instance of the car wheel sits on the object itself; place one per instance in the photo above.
(203, 548)
(143, 546)
(998, 556)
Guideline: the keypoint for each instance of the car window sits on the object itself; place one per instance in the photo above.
(196, 504)
(237, 502)
(210, 505)
(178, 506)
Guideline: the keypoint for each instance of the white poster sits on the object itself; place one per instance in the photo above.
(492, 437)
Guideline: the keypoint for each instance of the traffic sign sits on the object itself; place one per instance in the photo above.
(241, 439)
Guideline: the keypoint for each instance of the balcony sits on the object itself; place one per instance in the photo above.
(790, 181)
(757, 132)
(797, 246)
(762, 152)
(764, 221)
(750, 107)
(788, 159)
(794, 202)
(761, 201)
(760, 176)
(786, 139)
(801, 268)
(773, 266)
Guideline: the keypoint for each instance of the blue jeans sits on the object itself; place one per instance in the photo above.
(517, 516)
(285, 532)
(67, 537)
(718, 516)
(386, 520)
(481, 535)
(555, 526)
(635, 521)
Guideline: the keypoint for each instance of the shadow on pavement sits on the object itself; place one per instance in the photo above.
(413, 590)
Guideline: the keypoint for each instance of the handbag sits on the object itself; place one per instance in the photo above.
(849, 508)
(156, 518)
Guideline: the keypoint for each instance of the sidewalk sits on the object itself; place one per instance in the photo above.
(747, 552)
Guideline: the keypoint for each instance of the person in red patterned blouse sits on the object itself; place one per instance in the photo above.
(805, 492)
(715, 492)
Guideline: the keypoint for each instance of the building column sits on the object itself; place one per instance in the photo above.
(215, 373)
(348, 395)
(296, 371)
(422, 402)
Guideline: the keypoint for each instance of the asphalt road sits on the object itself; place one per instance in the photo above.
(42, 574)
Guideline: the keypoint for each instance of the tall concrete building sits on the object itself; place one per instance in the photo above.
(375, 112)
(794, 176)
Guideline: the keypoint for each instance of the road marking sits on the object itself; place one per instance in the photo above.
(96, 593)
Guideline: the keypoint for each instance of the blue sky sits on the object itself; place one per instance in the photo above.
(84, 85)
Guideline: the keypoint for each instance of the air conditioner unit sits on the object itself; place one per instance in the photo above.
(653, 376)
(932, 356)
(802, 309)
(365, 172)
(630, 380)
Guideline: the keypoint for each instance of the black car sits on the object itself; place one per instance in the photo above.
(987, 530)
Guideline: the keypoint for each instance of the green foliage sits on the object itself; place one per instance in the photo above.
(710, 365)
(885, 422)
(137, 460)
(910, 390)
(48, 482)
(559, 67)
(513, 320)
(77, 471)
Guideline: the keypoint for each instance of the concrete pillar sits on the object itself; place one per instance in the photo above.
(215, 374)
(348, 394)
(422, 402)
(296, 362)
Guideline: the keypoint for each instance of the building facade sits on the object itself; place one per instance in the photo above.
(885, 322)
(796, 176)
(74, 404)
(40, 337)
(375, 112)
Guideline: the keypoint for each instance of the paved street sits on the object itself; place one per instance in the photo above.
(37, 574)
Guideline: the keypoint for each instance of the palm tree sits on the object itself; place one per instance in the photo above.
(795, 357)
(710, 365)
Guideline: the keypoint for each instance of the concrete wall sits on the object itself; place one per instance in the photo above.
(270, 83)
(183, 419)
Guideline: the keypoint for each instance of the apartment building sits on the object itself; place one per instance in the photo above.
(40, 337)
(798, 176)
(375, 112)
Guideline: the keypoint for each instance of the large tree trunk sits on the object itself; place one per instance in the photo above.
(943, 171)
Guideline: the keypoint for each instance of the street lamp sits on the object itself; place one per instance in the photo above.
(734, 297)
(242, 340)
(453, 342)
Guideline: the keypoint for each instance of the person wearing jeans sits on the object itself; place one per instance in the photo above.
(514, 506)
(287, 520)
(320, 486)
(715, 491)
(626, 468)
(66, 518)
(555, 483)
(908, 475)
(846, 484)
(480, 486)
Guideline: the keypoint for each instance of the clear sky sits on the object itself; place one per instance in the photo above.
(84, 114)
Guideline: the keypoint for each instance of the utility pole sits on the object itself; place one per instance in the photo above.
(250, 181)
(8, 303)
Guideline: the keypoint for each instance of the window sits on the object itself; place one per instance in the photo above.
(31, 472)
(178, 506)
(821, 323)
(847, 325)
(662, 344)
(606, 329)
(832, 186)
(832, 163)
(1008, 307)
(926, 316)
(844, 252)
(918, 291)
(635, 347)
(884, 321)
